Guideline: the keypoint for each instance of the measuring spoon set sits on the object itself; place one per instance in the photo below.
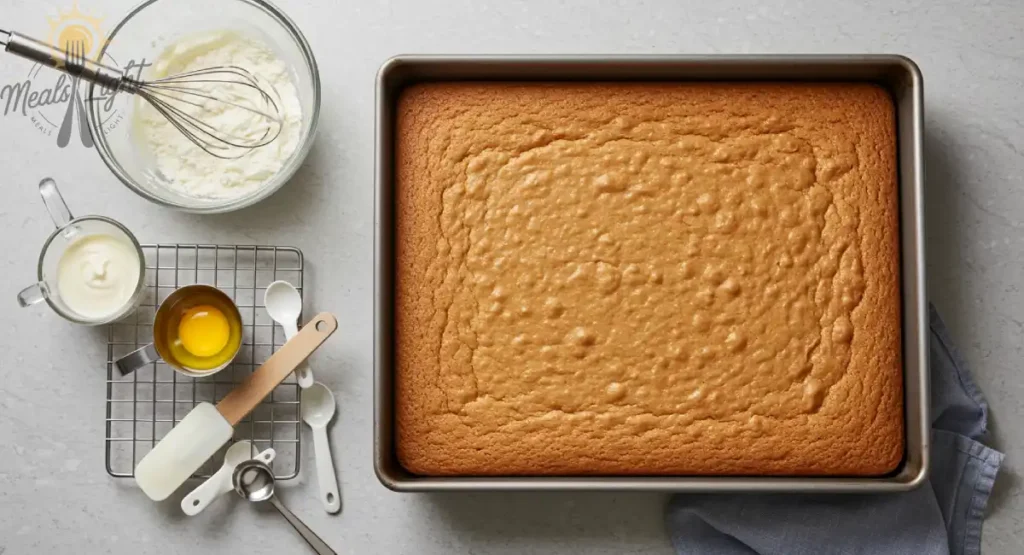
(318, 406)
(205, 429)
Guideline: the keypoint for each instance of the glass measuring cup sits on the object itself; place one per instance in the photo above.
(71, 229)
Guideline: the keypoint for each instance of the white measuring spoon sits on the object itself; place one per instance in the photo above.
(318, 408)
(220, 482)
(284, 305)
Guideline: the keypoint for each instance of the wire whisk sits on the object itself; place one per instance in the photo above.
(192, 101)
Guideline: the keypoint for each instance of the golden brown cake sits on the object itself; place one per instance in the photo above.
(661, 279)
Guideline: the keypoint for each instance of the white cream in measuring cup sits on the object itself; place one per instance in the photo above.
(97, 275)
(91, 270)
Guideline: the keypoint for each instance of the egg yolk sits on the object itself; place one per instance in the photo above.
(204, 331)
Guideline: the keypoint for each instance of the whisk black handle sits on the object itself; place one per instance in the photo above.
(71, 61)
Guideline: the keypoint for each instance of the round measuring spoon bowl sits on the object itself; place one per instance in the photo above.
(253, 480)
(318, 405)
(284, 304)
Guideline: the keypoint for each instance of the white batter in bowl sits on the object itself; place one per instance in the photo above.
(160, 34)
(186, 168)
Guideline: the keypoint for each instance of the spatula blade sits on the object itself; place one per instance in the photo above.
(182, 451)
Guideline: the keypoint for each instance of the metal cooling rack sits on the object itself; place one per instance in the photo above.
(143, 406)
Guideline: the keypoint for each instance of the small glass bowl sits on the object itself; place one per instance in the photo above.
(142, 35)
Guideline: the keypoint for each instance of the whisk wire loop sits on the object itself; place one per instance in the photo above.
(191, 101)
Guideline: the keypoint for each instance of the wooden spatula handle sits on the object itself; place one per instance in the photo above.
(248, 394)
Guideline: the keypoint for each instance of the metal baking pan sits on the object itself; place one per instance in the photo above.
(898, 74)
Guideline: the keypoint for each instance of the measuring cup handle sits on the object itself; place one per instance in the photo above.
(137, 359)
(55, 204)
(35, 293)
(193, 503)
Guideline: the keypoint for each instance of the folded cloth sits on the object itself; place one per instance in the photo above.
(940, 518)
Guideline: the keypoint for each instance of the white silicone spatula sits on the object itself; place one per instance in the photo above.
(206, 428)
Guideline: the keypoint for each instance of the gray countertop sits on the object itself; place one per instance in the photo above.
(54, 494)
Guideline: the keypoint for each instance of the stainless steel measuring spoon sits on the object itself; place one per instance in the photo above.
(254, 481)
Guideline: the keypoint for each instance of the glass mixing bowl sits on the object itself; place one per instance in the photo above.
(142, 35)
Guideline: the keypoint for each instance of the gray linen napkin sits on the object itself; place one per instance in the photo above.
(942, 517)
